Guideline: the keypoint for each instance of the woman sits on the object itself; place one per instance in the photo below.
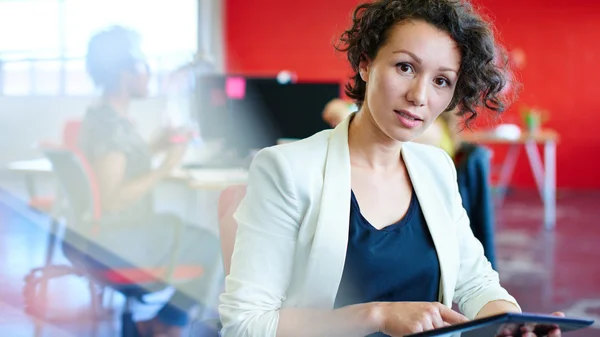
(358, 231)
(121, 160)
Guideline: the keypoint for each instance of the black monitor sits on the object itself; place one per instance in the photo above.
(252, 112)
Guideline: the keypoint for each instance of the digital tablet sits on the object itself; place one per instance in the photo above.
(511, 324)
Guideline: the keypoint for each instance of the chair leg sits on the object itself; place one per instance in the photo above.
(107, 300)
(94, 294)
(51, 241)
(128, 327)
(111, 298)
(34, 296)
(43, 292)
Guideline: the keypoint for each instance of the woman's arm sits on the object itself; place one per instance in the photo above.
(352, 321)
(392, 318)
(115, 192)
(478, 285)
(268, 221)
(497, 307)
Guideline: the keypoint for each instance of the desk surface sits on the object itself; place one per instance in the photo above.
(196, 178)
(40, 165)
(489, 137)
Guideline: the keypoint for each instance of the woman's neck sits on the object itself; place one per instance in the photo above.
(117, 101)
(370, 148)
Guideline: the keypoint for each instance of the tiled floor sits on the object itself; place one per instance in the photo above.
(556, 270)
(546, 271)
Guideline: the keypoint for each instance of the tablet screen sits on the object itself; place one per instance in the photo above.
(508, 325)
(501, 330)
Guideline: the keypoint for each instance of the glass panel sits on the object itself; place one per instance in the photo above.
(46, 80)
(161, 33)
(32, 32)
(77, 80)
(29, 26)
(17, 78)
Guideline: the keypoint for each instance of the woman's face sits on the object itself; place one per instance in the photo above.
(412, 79)
(138, 79)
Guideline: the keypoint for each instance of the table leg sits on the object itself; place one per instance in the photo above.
(506, 171)
(537, 167)
(550, 185)
(30, 185)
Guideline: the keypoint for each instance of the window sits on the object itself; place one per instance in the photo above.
(44, 52)
(30, 28)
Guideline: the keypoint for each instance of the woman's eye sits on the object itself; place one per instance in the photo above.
(405, 67)
(442, 82)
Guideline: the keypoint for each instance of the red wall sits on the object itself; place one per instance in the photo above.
(561, 40)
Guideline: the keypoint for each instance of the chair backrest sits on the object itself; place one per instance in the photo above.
(71, 134)
(229, 200)
(80, 189)
(78, 183)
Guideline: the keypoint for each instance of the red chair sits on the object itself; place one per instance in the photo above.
(229, 200)
(79, 186)
(70, 138)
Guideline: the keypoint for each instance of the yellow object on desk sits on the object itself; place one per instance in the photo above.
(216, 178)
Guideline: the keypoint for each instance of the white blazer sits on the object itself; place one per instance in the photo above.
(290, 246)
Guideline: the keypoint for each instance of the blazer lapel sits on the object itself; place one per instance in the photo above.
(328, 253)
(437, 217)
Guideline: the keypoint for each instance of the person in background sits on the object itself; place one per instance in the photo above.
(122, 162)
(336, 111)
(358, 231)
(473, 173)
(443, 133)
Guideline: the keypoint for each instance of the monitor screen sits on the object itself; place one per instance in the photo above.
(252, 113)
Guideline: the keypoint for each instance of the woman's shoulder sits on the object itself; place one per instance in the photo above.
(102, 130)
(302, 152)
(100, 119)
(431, 159)
(431, 166)
(300, 163)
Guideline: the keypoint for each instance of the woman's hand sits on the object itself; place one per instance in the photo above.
(175, 153)
(159, 140)
(529, 330)
(162, 140)
(404, 318)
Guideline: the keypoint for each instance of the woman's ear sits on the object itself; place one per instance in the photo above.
(363, 69)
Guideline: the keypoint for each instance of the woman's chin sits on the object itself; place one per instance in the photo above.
(404, 136)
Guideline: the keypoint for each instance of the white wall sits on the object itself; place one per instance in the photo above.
(26, 120)
(211, 39)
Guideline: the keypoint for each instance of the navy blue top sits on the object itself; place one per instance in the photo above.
(396, 263)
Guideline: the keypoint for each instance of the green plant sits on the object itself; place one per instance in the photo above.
(534, 117)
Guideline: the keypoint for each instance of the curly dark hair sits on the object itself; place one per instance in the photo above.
(484, 69)
(110, 52)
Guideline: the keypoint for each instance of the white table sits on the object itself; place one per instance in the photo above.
(40, 165)
(544, 171)
(198, 178)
